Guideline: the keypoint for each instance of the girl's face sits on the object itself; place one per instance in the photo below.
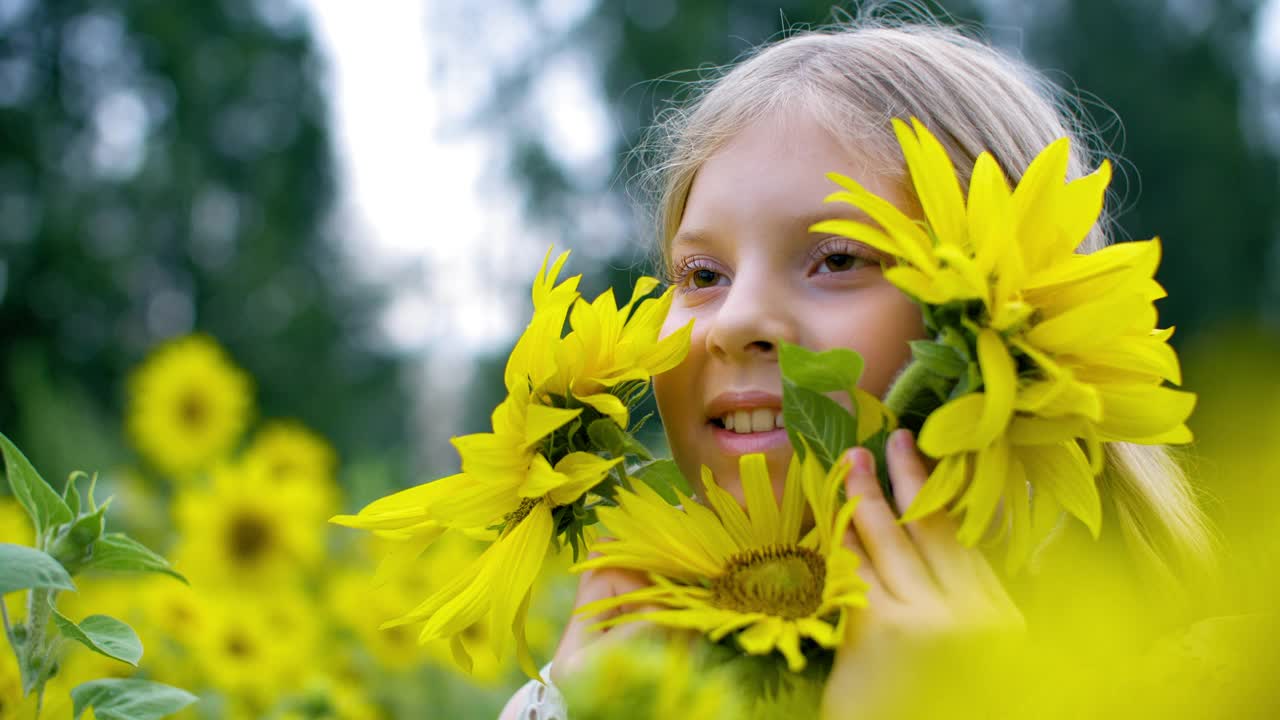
(749, 274)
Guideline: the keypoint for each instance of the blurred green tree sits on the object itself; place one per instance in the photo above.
(165, 167)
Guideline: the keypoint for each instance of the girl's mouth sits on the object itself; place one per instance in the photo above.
(734, 441)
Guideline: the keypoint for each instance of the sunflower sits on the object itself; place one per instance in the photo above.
(526, 482)
(255, 649)
(10, 684)
(188, 405)
(356, 605)
(1055, 352)
(722, 570)
(285, 455)
(234, 532)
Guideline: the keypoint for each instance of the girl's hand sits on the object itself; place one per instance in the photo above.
(929, 598)
(578, 639)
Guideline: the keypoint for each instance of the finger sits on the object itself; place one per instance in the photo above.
(877, 595)
(891, 552)
(934, 534)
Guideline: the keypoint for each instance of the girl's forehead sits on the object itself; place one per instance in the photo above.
(775, 170)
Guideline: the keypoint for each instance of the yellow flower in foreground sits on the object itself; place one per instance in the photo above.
(731, 571)
(188, 405)
(523, 476)
(1066, 344)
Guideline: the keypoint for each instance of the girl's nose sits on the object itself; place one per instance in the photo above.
(751, 320)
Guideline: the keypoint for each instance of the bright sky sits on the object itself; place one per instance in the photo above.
(422, 209)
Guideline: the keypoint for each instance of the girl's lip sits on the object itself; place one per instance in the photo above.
(733, 443)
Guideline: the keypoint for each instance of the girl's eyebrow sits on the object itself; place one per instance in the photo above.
(833, 211)
(695, 237)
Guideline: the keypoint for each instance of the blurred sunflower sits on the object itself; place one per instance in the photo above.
(234, 532)
(1052, 352)
(751, 573)
(10, 683)
(650, 680)
(188, 405)
(255, 648)
(285, 455)
(360, 603)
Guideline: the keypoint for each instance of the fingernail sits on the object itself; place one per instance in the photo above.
(863, 462)
(901, 439)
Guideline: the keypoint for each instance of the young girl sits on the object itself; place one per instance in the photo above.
(740, 178)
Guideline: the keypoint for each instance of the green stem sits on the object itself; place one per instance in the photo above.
(906, 388)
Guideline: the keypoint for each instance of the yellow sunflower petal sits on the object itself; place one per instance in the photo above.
(727, 509)
(1062, 472)
(948, 429)
(1142, 411)
(934, 178)
(762, 508)
(945, 482)
(990, 469)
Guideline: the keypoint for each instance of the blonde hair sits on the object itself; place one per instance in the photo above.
(854, 78)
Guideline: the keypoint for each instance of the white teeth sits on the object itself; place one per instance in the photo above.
(749, 421)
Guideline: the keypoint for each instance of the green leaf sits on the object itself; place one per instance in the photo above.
(606, 435)
(118, 552)
(22, 567)
(35, 495)
(665, 478)
(104, 635)
(129, 699)
(827, 427)
(940, 359)
(835, 370)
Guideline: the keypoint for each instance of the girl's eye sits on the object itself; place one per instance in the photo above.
(703, 278)
(837, 262)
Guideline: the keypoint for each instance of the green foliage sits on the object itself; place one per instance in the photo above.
(665, 478)
(104, 635)
(113, 699)
(118, 552)
(69, 538)
(42, 504)
(214, 216)
(816, 423)
(22, 568)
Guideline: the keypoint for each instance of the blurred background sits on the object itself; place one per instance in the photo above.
(349, 199)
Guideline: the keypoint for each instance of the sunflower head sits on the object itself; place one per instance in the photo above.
(188, 405)
(750, 573)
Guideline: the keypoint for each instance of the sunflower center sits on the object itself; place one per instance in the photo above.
(513, 518)
(192, 410)
(249, 538)
(780, 580)
(238, 646)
